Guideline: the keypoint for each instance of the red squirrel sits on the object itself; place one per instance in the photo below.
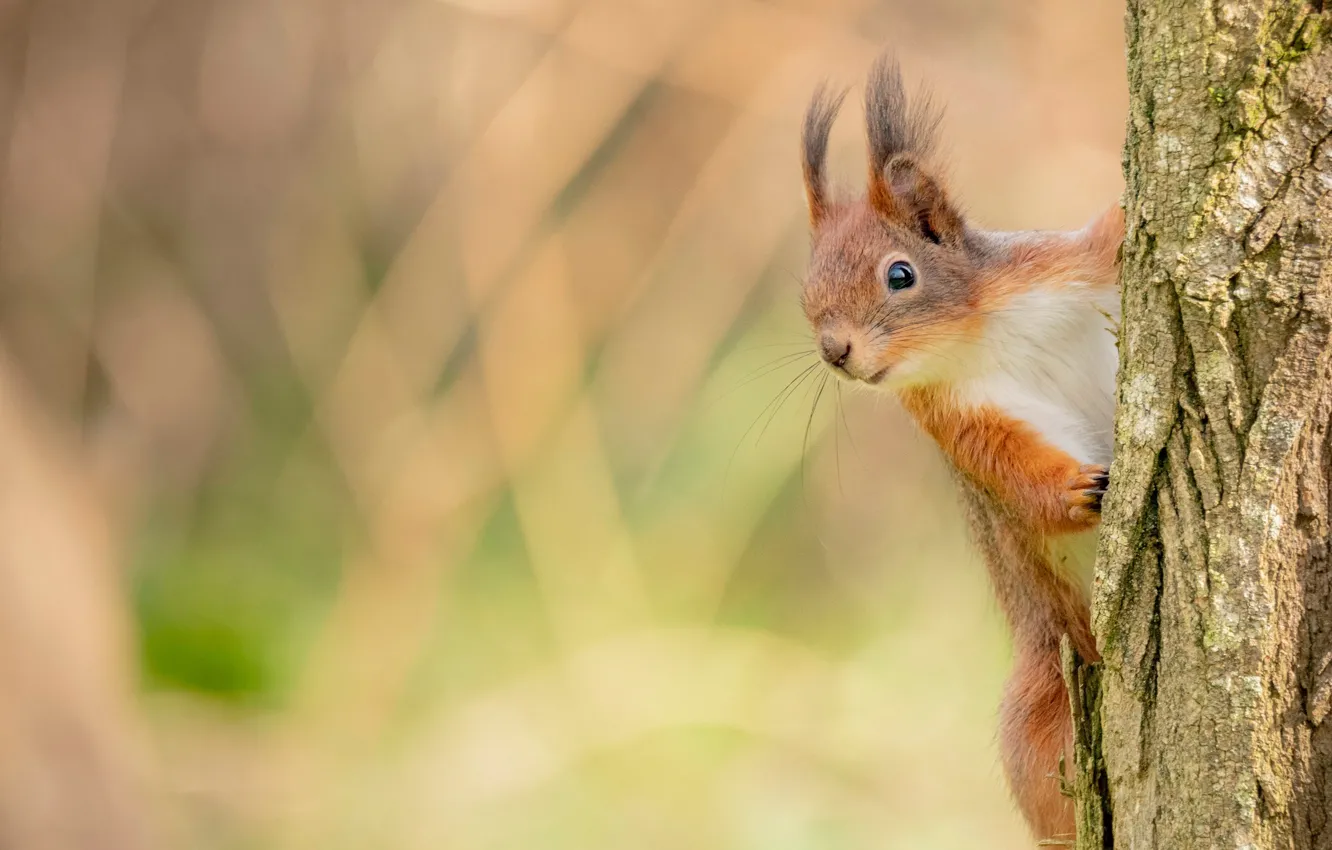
(1001, 347)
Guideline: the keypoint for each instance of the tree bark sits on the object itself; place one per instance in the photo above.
(1212, 604)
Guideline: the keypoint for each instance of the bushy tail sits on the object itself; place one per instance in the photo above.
(1035, 729)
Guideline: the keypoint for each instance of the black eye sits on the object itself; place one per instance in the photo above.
(900, 275)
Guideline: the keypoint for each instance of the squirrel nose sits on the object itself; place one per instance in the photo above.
(835, 351)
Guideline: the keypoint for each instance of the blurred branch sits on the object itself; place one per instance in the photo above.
(67, 750)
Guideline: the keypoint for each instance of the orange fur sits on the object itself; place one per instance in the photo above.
(1021, 491)
(1041, 605)
(1090, 255)
(1035, 732)
(1007, 456)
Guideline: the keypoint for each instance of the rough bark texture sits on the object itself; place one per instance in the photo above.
(1212, 603)
(1085, 779)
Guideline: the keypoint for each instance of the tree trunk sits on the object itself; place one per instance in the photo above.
(1212, 605)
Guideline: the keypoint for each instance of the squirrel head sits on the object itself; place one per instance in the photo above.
(891, 286)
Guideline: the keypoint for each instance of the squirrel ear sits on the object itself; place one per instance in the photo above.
(905, 193)
(901, 134)
(819, 119)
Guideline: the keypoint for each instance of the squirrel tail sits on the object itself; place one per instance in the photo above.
(1042, 605)
(1035, 730)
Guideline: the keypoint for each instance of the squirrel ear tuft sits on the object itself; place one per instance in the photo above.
(894, 123)
(906, 193)
(819, 119)
(901, 134)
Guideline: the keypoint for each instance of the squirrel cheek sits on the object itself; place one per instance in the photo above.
(898, 363)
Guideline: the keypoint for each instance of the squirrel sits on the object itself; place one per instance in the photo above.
(1001, 347)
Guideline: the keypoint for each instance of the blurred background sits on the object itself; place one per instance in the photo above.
(402, 437)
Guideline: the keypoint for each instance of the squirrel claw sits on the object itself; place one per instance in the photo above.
(1085, 491)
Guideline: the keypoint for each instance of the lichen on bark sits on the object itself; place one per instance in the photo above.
(1211, 603)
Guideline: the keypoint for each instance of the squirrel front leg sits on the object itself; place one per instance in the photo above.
(1053, 491)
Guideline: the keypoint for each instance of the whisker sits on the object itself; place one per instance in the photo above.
(837, 440)
(802, 343)
(880, 323)
(804, 445)
(780, 394)
(770, 368)
(847, 425)
(795, 385)
(730, 461)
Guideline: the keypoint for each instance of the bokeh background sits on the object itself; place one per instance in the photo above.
(398, 442)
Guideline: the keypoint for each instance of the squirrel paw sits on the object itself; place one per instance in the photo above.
(1084, 492)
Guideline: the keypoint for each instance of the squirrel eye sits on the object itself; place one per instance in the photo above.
(900, 275)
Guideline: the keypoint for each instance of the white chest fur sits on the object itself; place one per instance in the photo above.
(1049, 359)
